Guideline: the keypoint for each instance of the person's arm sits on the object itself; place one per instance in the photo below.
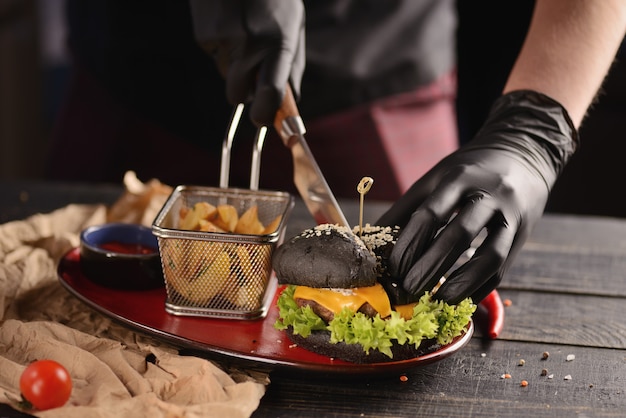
(568, 51)
(500, 181)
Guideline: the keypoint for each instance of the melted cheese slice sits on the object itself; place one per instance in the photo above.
(405, 311)
(335, 301)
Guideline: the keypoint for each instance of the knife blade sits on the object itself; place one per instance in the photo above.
(307, 176)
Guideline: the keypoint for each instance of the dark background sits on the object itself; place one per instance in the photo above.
(33, 73)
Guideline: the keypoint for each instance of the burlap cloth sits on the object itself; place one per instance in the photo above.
(116, 372)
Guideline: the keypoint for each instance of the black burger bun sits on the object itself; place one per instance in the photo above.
(326, 256)
(319, 342)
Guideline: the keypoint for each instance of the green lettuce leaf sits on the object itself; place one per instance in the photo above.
(303, 320)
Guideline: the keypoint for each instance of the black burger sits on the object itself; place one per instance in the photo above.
(336, 301)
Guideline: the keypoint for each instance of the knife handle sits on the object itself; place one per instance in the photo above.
(288, 122)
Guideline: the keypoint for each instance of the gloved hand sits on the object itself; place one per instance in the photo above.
(259, 47)
(499, 183)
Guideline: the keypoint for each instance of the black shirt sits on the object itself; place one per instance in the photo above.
(144, 53)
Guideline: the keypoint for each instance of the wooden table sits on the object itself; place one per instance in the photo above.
(568, 293)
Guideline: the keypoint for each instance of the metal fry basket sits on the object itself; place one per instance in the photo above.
(221, 274)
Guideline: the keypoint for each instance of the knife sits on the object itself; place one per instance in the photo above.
(307, 175)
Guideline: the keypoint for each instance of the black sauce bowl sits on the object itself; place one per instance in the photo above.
(121, 256)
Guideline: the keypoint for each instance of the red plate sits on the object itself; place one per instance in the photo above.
(251, 342)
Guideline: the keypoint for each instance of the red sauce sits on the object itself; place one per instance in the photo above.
(124, 248)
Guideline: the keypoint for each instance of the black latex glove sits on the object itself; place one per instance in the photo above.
(499, 183)
(259, 47)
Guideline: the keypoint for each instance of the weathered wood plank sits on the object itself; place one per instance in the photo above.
(468, 385)
(567, 232)
(587, 273)
(577, 320)
(566, 255)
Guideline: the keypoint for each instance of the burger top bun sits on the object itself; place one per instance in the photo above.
(326, 256)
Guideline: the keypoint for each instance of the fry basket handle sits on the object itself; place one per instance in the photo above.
(227, 145)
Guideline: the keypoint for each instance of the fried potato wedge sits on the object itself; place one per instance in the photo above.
(273, 225)
(227, 218)
(199, 211)
(249, 222)
(207, 281)
(246, 287)
(208, 226)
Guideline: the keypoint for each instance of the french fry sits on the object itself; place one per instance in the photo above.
(201, 210)
(224, 218)
(208, 226)
(185, 258)
(208, 280)
(245, 297)
(249, 222)
(244, 290)
(201, 271)
(227, 218)
(183, 212)
(273, 225)
(245, 263)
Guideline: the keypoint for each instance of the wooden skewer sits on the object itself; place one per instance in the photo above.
(363, 187)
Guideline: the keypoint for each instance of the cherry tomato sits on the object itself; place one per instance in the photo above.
(46, 384)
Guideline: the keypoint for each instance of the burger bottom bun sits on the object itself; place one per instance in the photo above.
(319, 342)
